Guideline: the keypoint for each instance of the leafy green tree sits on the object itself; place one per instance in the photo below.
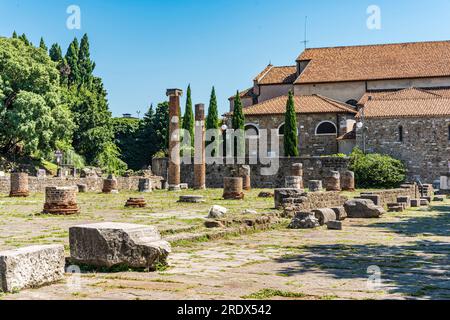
(290, 129)
(212, 119)
(56, 53)
(161, 127)
(33, 119)
(238, 122)
(188, 119)
(127, 134)
(72, 61)
(109, 159)
(85, 65)
(42, 45)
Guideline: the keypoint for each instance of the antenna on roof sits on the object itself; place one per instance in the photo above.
(305, 42)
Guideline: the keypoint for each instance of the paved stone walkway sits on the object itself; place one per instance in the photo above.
(411, 250)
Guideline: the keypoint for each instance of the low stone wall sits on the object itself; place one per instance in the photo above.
(315, 168)
(390, 196)
(93, 184)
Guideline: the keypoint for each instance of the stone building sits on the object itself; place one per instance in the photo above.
(353, 78)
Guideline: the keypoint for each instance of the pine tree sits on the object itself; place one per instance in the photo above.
(56, 53)
(238, 122)
(42, 45)
(85, 65)
(212, 120)
(14, 35)
(72, 62)
(290, 129)
(188, 119)
(24, 38)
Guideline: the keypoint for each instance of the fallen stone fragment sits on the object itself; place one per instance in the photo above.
(210, 224)
(217, 212)
(340, 212)
(249, 211)
(111, 244)
(424, 203)
(334, 225)
(404, 199)
(324, 215)
(184, 186)
(439, 198)
(363, 208)
(31, 267)
(376, 199)
(395, 207)
(304, 220)
(415, 203)
(265, 195)
(136, 203)
(191, 199)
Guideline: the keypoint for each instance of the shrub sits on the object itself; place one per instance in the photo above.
(376, 170)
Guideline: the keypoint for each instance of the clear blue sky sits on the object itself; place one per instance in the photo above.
(143, 47)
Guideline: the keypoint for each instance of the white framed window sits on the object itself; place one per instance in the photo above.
(251, 131)
(281, 130)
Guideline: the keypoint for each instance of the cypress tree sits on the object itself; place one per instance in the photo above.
(290, 129)
(212, 120)
(24, 38)
(56, 53)
(14, 35)
(238, 122)
(42, 45)
(72, 61)
(188, 119)
(85, 64)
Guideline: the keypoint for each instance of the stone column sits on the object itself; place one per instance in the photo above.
(110, 185)
(145, 185)
(348, 181)
(233, 188)
(61, 201)
(333, 181)
(19, 185)
(200, 153)
(244, 171)
(297, 171)
(174, 179)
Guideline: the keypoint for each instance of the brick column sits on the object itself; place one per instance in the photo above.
(174, 139)
(200, 155)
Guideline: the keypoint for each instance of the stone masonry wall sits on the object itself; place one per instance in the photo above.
(425, 149)
(93, 184)
(315, 168)
(390, 196)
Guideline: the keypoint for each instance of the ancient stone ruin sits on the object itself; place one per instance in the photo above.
(200, 154)
(110, 244)
(82, 188)
(304, 220)
(294, 182)
(191, 199)
(136, 203)
(348, 181)
(31, 267)
(19, 185)
(333, 181)
(297, 171)
(315, 185)
(244, 172)
(174, 178)
(110, 185)
(233, 188)
(363, 208)
(145, 185)
(61, 201)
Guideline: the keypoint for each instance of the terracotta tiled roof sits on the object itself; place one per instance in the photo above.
(408, 103)
(376, 62)
(277, 75)
(248, 93)
(303, 104)
(410, 93)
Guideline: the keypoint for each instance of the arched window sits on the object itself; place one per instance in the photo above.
(326, 128)
(281, 130)
(400, 134)
(251, 131)
(352, 102)
(449, 132)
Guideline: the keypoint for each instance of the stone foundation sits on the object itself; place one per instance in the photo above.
(61, 201)
(110, 185)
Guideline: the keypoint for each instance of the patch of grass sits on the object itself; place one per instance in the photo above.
(270, 293)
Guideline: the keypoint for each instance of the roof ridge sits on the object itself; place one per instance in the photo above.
(390, 94)
(339, 104)
(263, 73)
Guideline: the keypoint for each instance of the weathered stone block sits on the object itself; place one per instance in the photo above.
(110, 244)
(439, 198)
(324, 215)
(333, 181)
(304, 220)
(415, 203)
(340, 212)
(191, 199)
(363, 208)
(348, 181)
(334, 225)
(295, 182)
(281, 194)
(217, 212)
(404, 199)
(375, 198)
(31, 267)
(315, 185)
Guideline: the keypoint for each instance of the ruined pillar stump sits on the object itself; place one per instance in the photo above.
(294, 182)
(297, 171)
(19, 185)
(145, 185)
(82, 188)
(136, 203)
(315, 185)
(110, 185)
(174, 178)
(333, 181)
(200, 153)
(61, 201)
(233, 189)
(348, 181)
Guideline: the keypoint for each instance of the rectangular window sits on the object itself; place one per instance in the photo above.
(400, 134)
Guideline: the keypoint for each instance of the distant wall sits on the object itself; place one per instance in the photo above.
(390, 196)
(93, 184)
(315, 168)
